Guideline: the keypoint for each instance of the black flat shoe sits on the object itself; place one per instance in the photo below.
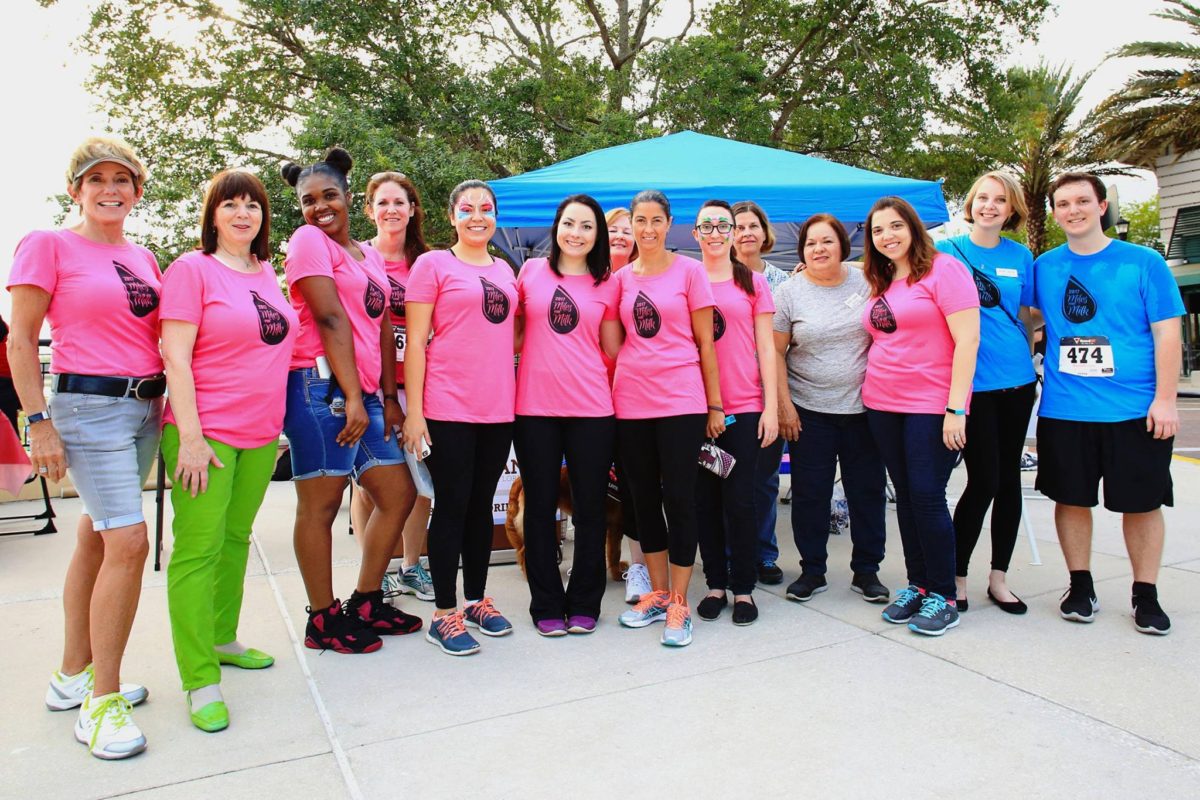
(961, 604)
(744, 613)
(711, 607)
(1016, 607)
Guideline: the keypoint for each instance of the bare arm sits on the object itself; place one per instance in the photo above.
(964, 329)
(519, 333)
(1163, 417)
(702, 332)
(337, 340)
(768, 422)
(418, 318)
(612, 336)
(29, 305)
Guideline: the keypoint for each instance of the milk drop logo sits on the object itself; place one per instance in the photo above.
(272, 325)
(646, 319)
(374, 300)
(989, 292)
(718, 324)
(563, 313)
(882, 318)
(141, 295)
(396, 299)
(1078, 304)
(495, 302)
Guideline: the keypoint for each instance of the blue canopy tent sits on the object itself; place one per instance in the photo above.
(690, 168)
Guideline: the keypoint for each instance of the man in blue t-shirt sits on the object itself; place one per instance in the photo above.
(1108, 407)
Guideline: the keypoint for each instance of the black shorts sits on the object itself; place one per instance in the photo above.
(1074, 456)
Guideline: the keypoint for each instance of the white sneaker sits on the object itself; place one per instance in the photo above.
(637, 583)
(66, 692)
(106, 726)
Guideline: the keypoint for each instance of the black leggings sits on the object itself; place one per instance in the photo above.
(725, 511)
(465, 462)
(587, 443)
(995, 437)
(658, 460)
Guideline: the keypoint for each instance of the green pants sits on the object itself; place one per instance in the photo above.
(208, 563)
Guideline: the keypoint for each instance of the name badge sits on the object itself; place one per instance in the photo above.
(854, 300)
(1007, 272)
(1086, 356)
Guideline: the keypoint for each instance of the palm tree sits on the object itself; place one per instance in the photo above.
(1158, 110)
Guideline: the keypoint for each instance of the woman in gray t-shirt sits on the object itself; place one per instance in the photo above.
(822, 349)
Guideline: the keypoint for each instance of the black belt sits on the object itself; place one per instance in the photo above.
(139, 388)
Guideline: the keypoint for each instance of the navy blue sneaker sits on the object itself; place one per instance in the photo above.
(935, 617)
(449, 633)
(906, 604)
(484, 616)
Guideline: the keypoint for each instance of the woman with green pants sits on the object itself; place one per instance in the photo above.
(227, 337)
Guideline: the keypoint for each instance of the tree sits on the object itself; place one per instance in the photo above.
(1157, 110)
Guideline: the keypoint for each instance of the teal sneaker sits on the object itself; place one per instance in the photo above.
(906, 604)
(650, 609)
(391, 586)
(678, 630)
(417, 580)
(935, 617)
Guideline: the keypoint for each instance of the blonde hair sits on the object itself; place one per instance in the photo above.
(104, 147)
(615, 214)
(1014, 192)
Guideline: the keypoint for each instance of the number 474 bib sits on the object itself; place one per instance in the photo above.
(1086, 356)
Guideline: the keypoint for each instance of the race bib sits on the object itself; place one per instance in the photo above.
(1086, 356)
(401, 334)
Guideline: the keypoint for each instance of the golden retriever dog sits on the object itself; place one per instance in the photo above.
(514, 524)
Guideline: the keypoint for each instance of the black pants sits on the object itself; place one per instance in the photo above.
(465, 463)
(826, 439)
(995, 437)
(587, 443)
(628, 519)
(725, 511)
(658, 459)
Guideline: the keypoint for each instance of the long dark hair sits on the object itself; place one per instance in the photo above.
(414, 233)
(878, 268)
(742, 275)
(598, 257)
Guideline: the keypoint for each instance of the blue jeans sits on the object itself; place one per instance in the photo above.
(766, 499)
(826, 439)
(920, 466)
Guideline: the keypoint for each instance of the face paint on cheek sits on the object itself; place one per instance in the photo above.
(488, 212)
(460, 215)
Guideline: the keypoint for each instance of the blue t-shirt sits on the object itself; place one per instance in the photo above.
(1004, 278)
(1115, 294)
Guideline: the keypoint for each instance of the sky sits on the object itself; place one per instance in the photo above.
(45, 78)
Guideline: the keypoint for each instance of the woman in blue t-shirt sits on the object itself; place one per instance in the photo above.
(1005, 383)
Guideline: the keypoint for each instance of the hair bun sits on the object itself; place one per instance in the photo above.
(339, 159)
(291, 173)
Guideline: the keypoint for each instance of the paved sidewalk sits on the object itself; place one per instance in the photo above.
(821, 699)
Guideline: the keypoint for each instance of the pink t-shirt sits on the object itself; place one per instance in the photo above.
(658, 368)
(245, 332)
(562, 372)
(360, 288)
(912, 352)
(103, 309)
(469, 373)
(737, 352)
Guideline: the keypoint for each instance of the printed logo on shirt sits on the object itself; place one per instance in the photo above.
(141, 295)
(272, 325)
(495, 302)
(882, 318)
(396, 299)
(718, 324)
(563, 314)
(374, 300)
(1078, 305)
(646, 319)
(989, 292)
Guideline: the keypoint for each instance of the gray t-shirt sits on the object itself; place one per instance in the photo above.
(827, 360)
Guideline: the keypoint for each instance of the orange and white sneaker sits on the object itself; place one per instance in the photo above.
(651, 608)
(678, 631)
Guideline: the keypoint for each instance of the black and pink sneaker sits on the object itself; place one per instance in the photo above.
(377, 615)
(330, 629)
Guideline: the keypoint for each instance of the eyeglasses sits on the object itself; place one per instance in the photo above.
(706, 228)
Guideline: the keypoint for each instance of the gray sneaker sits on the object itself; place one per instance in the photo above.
(935, 617)
(651, 608)
(906, 604)
(416, 580)
(678, 630)
(390, 586)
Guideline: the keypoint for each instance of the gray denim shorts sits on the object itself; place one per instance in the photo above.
(111, 443)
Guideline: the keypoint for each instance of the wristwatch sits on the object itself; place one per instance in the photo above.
(958, 412)
(38, 416)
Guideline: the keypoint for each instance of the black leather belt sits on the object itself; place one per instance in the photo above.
(139, 388)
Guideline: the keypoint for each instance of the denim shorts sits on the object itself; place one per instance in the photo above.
(111, 443)
(312, 427)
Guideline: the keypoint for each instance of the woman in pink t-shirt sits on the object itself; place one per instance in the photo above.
(393, 204)
(568, 318)
(336, 424)
(923, 317)
(461, 392)
(745, 352)
(227, 338)
(99, 292)
(667, 395)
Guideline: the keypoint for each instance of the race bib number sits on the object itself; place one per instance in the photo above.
(401, 334)
(1086, 356)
